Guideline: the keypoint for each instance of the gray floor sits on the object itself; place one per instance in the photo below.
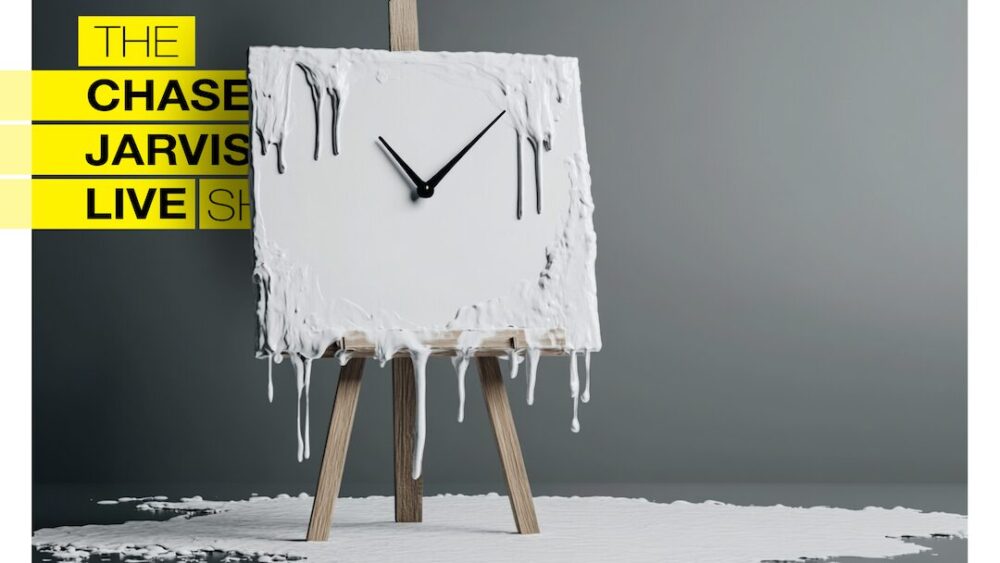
(56, 505)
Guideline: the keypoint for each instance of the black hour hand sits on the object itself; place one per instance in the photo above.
(418, 183)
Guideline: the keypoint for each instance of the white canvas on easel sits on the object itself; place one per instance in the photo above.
(479, 242)
(341, 237)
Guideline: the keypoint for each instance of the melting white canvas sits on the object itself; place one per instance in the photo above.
(342, 244)
(576, 530)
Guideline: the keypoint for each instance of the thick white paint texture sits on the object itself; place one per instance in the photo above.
(478, 528)
(301, 267)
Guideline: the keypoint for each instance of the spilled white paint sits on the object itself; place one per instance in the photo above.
(464, 528)
(418, 271)
(121, 500)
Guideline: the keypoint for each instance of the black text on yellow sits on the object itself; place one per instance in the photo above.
(138, 203)
(165, 148)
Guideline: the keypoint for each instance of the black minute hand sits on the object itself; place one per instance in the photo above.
(433, 182)
(418, 182)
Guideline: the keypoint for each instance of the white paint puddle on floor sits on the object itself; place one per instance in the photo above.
(480, 528)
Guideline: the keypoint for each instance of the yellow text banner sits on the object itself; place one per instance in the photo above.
(139, 95)
(104, 203)
(140, 149)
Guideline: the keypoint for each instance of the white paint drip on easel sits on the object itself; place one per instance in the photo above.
(515, 358)
(461, 364)
(270, 378)
(303, 376)
(574, 391)
(419, 356)
(296, 319)
(576, 529)
(468, 341)
(307, 362)
(533, 356)
(299, 385)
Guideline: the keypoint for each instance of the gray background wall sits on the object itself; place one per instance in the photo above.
(780, 191)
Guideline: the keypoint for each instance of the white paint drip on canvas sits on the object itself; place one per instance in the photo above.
(545, 287)
(464, 528)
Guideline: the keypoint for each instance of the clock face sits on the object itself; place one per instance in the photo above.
(401, 191)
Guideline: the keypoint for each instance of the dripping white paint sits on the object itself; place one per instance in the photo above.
(342, 245)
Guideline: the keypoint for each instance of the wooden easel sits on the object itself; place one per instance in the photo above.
(409, 492)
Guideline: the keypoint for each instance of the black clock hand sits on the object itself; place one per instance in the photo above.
(418, 182)
(433, 182)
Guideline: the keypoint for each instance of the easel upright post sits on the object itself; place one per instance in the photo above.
(409, 491)
(403, 36)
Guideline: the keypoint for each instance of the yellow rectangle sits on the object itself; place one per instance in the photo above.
(223, 203)
(136, 41)
(139, 95)
(142, 149)
(15, 204)
(15, 95)
(104, 203)
(15, 150)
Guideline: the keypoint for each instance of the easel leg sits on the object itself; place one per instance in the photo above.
(409, 492)
(331, 472)
(508, 445)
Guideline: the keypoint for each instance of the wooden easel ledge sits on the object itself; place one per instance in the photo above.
(445, 343)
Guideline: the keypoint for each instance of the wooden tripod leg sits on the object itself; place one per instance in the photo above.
(331, 472)
(508, 445)
(409, 491)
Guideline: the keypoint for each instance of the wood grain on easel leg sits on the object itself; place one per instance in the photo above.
(403, 34)
(409, 491)
(331, 472)
(508, 445)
